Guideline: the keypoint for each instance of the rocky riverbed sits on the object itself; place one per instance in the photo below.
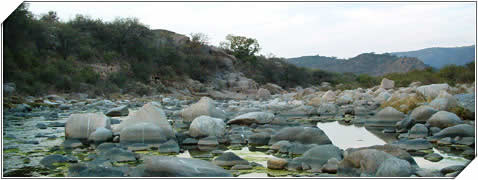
(382, 131)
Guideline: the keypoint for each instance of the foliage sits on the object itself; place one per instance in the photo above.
(240, 46)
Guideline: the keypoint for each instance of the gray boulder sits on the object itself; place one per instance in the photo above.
(462, 130)
(80, 126)
(169, 147)
(229, 159)
(101, 135)
(252, 117)
(204, 126)
(387, 117)
(167, 166)
(150, 113)
(433, 90)
(422, 113)
(118, 111)
(365, 161)
(394, 167)
(146, 133)
(304, 135)
(263, 94)
(444, 119)
(316, 157)
(205, 106)
(387, 84)
(418, 131)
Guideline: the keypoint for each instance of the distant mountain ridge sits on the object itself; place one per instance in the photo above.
(438, 57)
(367, 63)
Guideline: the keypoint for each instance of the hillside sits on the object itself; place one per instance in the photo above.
(367, 63)
(438, 57)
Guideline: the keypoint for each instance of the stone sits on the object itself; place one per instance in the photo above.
(101, 135)
(167, 166)
(433, 90)
(444, 119)
(259, 139)
(263, 94)
(205, 106)
(80, 126)
(418, 131)
(118, 155)
(241, 167)
(150, 115)
(345, 99)
(364, 161)
(276, 163)
(434, 157)
(146, 133)
(208, 141)
(118, 111)
(428, 173)
(316, 157)
(422, 113)
(331, 166)
(387, 117)
(51, 161)
(451, 169)
(394, 167)
(229, 159)
(303, 135)
(462, 130)
(204, 126)
(413, 144)
(387, 84)
(252, 117)
(189, 141)
(444, 104)
(329, 96)
(169, 147)
(445, 141)
(81, 170)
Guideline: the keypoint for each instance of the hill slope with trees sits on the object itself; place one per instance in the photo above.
(438, 57)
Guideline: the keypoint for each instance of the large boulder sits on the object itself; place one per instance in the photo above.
(394, 167)
(444, 119)
(146, 133)
(391, 149)
(365, 161)
(252, 117)
(304, 135)
(316, 157)
(167, 166)
(433, 90)
(444, 102)
(205, 106)
(101, 135)
(422, 113)
(387, 84)
(204, 126)
(80, 126)
(418, 131)
(462, 130)
(150, 113)
(387, 117)
(118, 111)
(345, 99)
(229, 159)
(263, 94)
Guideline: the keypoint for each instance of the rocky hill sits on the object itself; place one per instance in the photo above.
(367, 63)
(438, 57)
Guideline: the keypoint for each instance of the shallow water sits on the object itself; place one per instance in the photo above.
(352, 136)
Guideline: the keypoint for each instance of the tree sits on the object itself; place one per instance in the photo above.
(240, 46)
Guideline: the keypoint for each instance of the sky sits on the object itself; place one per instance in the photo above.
(343, 29)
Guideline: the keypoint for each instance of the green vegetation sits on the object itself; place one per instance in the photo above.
(450, 74)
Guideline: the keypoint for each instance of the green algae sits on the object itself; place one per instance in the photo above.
(13, 150)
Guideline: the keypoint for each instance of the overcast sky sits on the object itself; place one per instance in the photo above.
(298, 29)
